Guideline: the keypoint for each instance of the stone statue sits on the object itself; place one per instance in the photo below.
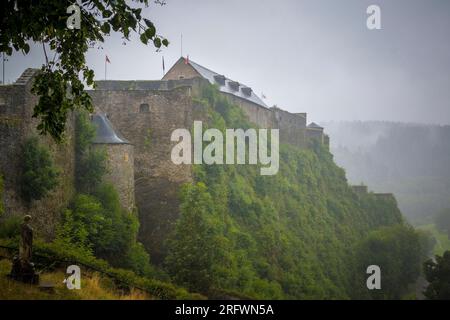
(26, 242)
(23, 268)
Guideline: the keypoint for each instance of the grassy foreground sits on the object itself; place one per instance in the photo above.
(93, 287)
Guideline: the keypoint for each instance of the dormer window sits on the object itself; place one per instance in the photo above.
(234, 85)
(144, 108)
(247, 91)
(220, 79)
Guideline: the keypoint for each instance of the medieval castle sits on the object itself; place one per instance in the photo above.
(134, 121)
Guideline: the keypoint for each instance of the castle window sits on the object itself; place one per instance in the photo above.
(247, 91)
(220, 79)
(143, 108)
(234, 85)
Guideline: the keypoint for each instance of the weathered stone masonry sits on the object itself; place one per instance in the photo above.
(145, 113)
(17, 125)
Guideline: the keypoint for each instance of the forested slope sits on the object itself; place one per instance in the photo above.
(301, 233)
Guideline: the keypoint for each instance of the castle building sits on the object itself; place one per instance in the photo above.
(17, 125)
(141, 116)
(292, 125)
(120, 159)
(314, 131)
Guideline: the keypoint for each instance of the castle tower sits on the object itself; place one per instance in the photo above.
(120, 159)
(314, 131)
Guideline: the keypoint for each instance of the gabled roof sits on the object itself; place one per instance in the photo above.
(105, 133)
(314, 125)
(227, 85)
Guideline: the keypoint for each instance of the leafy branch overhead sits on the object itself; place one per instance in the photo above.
(60, 84)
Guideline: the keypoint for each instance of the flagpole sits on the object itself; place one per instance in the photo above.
(163, 66)
(3, 58)
(105, 68)
(181, 44)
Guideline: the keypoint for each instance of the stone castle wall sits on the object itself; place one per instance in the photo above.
(17, 125)
(149, 128)
(292, 126)
(120, 166)
(146, 113)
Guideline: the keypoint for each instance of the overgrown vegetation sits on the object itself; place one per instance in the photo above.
(52, 256)
(90, 162)
(399, 251)
(10, 227)
(39, 175)
(293, 235)
(437, 273)
(95, 222)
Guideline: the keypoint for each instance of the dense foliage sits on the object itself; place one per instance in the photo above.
(437, 274)
(292, 235)
(95, 222)
(39, 174)
(64, 49)
(196, 248)
(90, 162)
(399, 251)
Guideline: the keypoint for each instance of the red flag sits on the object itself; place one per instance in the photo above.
(186, 61)
(107, 59)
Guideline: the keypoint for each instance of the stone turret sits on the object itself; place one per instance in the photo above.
(314, 131)
(120, 159)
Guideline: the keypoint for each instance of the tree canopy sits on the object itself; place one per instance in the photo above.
(60, 84)
(437, 273)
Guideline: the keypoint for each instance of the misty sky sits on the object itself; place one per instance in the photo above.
(312, 56)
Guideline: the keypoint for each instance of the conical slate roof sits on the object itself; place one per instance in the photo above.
(105, 134)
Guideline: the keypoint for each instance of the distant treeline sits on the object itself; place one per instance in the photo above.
(410, 160)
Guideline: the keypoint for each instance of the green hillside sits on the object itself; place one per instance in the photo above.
(300, 234)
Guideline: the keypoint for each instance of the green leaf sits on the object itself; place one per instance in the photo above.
(143, 38)
(106, 28)
(157, 42)
(150, 32)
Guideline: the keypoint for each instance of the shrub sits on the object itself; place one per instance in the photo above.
(194, 244)
(437, 273)
(398, 251)
(90, 163)
(10, 227)
(39, 173)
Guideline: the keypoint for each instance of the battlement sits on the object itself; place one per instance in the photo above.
(359, 189)
(26, 76)
(385, 196)
(150, 85)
